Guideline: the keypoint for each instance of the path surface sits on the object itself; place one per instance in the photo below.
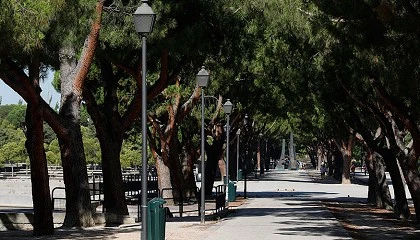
(285, 205)
(281, 205)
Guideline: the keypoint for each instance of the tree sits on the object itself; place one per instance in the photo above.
(39, 42)
(172, 53)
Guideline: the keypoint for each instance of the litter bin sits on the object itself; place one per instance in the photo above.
(239, 178)
(224, 179)
(156, 219)
(232, 192)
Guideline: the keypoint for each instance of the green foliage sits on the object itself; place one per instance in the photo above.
(12, 143)
(17, 116)
(52, 152)
(91, 145)
(25, 23)
(130, 154)
(278, 61)
(49, 134)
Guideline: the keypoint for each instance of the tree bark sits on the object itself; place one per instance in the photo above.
(175, 168)
(346, 151)
(388, 153)
(214, 153)
(189, 156)
(383, 197)
(407, 156)
(73, 74)
(78, 205)
(407, 159)
(413, 183)
(107, 122)
(66, 124)
(114, 193)
(43, 217)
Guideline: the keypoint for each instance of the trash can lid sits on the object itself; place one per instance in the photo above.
(156, 202)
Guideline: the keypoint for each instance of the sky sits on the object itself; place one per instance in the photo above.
(11, 97)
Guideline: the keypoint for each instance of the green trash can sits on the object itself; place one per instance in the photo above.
(224, 179)
(232, 192)
(239, 177)
(156, 219)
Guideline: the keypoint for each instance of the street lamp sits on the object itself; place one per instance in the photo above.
(227, 107)
(246, 153)
(144, 19)
(202, 81)
(238, 134)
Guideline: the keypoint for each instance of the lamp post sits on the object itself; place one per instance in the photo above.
(144, 19)
(246, 153)
(238, 134)
(227, 107)
(202, 81)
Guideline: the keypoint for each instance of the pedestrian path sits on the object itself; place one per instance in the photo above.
(281, 204)
(286, 204)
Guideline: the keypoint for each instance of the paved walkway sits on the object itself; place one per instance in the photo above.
(286, 204)
(281, 205)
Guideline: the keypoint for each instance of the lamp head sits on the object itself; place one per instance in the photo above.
(144, 18)
(203, 77)
(227, 107)
(246, 120)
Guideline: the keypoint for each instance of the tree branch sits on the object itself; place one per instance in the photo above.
(401, 111)
(88, 51)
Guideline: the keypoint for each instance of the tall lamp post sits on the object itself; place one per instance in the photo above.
(144, 19)
(227, 107)
(238, 134)
(246, 153)
(202, 81)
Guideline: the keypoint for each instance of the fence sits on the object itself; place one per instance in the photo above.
(131, 184)
(183, 200)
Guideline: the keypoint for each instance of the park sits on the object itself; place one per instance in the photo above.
(232, 119)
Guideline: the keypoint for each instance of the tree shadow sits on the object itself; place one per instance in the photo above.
(363, 221)
(74, 233)
(312, 219)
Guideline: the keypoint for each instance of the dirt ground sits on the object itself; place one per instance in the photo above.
(366, 222)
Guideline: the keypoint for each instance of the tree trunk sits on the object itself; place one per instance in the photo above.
(383, 197)
(164, 180)
(259, 156)
(110, 134)
(320, 156)
(188, 157)
(73, 72)
(372, 193)
(401, 205)
(114, 195)
(43, 218)
(78, 205)
(330, 163)
(412, 179)
(214, 153)
(345, 177)
(175, 168)
(338, 165)
(346, 148)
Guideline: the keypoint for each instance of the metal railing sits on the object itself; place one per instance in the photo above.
(182, 199)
